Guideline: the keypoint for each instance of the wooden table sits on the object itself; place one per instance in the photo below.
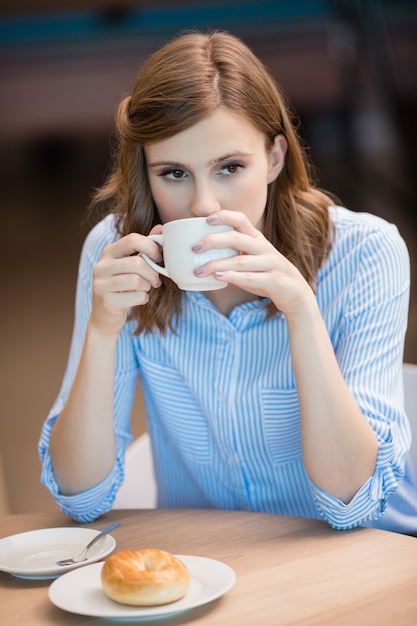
(289, 571)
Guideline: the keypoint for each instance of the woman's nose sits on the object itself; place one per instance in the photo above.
(204, 203)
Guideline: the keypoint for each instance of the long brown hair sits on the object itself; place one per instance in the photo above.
(184, 82)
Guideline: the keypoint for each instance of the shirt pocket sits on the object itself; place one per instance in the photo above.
(281, 417)
(176, 412)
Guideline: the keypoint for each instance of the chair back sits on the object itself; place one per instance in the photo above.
(410, 401)
(4, 504)
(138, 490)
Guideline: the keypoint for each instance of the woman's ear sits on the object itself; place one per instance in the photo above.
(277, 157)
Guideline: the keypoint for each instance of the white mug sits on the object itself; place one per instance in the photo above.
(177, 239)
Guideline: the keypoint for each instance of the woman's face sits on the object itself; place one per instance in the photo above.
(220, 163)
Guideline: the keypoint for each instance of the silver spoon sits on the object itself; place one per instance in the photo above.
(82, 557)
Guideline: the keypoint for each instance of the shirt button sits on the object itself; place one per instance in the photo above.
(222, 398)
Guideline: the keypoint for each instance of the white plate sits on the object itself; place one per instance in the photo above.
(81, 591)
(34, 554)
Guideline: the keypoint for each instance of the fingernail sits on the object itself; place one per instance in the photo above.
(219, 274)
(199, 271)
(197, 247)
(212, 218)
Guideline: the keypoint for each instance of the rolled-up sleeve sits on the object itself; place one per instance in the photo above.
(89, 505)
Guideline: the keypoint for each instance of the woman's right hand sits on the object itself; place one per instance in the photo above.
(122, 280)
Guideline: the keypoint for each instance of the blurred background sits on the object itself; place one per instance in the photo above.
(348, 68)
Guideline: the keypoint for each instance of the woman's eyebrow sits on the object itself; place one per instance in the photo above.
(236, 154)
(170, 163)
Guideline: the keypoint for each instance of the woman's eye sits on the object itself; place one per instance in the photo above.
(231, 168)
(173, 173)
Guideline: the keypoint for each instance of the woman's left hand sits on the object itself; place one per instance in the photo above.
(259, 268)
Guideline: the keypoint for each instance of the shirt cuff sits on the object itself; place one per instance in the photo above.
(370, 501)
(85, 506)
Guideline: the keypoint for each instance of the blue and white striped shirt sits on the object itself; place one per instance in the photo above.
(221, 399)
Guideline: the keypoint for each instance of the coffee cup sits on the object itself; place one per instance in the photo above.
(180, 261)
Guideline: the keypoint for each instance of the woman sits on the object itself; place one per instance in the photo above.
(280, 393)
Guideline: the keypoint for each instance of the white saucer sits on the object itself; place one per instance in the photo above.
(34, 554)
(81, 591)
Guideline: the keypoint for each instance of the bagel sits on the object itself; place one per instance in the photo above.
(147, 577)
